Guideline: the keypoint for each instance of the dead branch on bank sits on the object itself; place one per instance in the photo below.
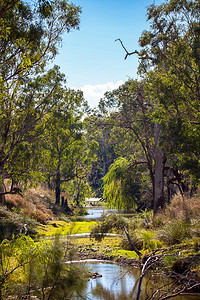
(185, 283)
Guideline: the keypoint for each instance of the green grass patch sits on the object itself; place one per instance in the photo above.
(127, 254)
(109, 246)
(65, 228)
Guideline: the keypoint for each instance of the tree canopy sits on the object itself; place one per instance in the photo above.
(29, 36)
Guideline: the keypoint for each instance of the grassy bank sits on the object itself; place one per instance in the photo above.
(53, 228)
(169, 243)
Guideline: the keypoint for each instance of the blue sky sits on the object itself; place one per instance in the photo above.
(90, 58)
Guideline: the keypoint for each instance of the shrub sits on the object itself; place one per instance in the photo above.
(109, 223)
(175, 232)
(137, 241)
(12, 224)
(149, 240)
(29, 270)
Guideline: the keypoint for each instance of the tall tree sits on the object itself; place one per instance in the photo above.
(29, 37)
(97, 131)
(63, 132)
(31, 33)
(169, 65)
(134, 116)
(22, 123)
(173, 44)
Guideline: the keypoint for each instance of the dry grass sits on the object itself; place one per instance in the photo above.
(179, 221)
(182, 209)
(36, 203)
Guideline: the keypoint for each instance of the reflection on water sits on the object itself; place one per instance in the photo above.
(116, 283)
(96, 212)
(121, 283)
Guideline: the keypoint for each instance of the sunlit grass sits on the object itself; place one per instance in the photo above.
(127, 254)
(109, 246)
(65, 228)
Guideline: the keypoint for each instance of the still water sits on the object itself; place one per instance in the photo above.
(120, 283)
(96, 212)
(117, 282)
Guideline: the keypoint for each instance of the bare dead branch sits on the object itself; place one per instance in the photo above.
(134, 52)
(131, 242)
(127, 53)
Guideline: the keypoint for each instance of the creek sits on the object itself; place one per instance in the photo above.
(119, 283)
(96, 212)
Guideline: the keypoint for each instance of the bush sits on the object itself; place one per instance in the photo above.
(13, 223)
(38, 270)
(149, 240)
(175, 232)
(137, 241)
(109, 223)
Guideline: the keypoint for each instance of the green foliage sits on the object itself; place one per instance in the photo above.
(29, 37)
(103, 141)
(175, 232)
(30, 269)
(121, 187)
(63, 143)
(111, 222)
(28, 44)
(173, 84)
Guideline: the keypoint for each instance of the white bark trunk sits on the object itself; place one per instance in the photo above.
(159, 173)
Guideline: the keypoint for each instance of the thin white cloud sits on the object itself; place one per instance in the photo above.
(93, 93)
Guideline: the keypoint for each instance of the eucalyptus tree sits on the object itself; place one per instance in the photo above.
(62, 135)
(22, 124)
(97, 131)
(169, 67)
(133, 116)
(30, 34)
(84, 155)
(172, 46)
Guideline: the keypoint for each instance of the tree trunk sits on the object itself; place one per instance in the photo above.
(2, 189)
(2, 197)
(77, 198)
(58, 187)
(134, 248)
(159, 198)
(103, 153)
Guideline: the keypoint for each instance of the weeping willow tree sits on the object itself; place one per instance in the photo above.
(122, 185)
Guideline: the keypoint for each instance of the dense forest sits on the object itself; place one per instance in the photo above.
(137, 151)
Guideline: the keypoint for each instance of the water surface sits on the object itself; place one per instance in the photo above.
(96, 212)
(121, 283)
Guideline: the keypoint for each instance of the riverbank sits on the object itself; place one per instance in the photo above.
(169, 246)
(169, 243)
(108, 250)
